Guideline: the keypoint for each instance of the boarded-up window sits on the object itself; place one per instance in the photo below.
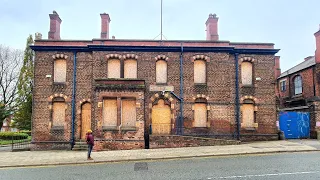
(58, 113)
(247, 115)
(60, 70)
(113, 68)
(246, 73)
(199, 71)
(161, 71)
(128, 112)
(130, 68)
(110, 112)
(200, 115)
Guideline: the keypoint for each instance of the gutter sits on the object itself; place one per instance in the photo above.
(90, 48)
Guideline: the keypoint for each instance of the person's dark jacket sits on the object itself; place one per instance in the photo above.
(90, 139)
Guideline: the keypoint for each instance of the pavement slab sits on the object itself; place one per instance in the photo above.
(40, 158)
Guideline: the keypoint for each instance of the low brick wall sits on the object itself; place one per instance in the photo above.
(174, 141)
(263, 137)
(41, 146)
(109, 145)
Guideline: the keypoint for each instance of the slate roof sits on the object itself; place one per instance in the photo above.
(305, 64)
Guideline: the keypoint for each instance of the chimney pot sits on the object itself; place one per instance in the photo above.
(38, 36)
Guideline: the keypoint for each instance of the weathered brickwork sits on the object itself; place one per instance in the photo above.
(93, 86)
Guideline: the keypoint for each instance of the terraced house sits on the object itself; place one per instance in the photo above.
(132, 92)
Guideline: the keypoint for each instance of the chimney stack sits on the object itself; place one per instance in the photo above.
(105, 21)
(317, 53)
(212, 28)
(277, 70)
(55, 22)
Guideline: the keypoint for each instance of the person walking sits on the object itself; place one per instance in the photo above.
(90, 142)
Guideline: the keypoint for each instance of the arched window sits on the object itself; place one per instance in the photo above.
(161, 71)
(246, 73)
(130, 68)
(297, 85)
(199, 71)
(60, 70)
(200, 113)
(114, 68)
(247, 115)
(58, 112)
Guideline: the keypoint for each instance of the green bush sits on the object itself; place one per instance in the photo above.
(26, 132)
(14, 135)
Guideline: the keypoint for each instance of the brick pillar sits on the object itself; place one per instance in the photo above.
(315, 119)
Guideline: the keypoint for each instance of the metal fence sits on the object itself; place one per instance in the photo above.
(15, 143)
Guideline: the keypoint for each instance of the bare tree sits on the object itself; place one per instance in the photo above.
(10, 64)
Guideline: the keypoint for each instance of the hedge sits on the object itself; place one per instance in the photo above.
(14, 135)
(26, 132)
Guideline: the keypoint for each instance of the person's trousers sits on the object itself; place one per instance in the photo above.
(90, 146)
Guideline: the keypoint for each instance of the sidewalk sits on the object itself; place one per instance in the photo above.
(40, 158)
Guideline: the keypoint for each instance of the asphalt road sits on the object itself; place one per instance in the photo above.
(291, 166)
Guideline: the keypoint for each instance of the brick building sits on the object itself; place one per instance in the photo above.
(298, 89)
(125, 90)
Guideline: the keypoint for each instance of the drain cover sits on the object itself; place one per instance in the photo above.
(140, 166)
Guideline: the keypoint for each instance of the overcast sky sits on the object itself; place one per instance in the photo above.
(290, 24)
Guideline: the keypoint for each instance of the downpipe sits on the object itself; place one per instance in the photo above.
(72, 139)
(237, 103)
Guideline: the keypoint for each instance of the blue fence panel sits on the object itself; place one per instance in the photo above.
(295, 125)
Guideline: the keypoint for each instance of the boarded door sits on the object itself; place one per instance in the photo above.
(161, 122)
(295, 125)
(85, 119)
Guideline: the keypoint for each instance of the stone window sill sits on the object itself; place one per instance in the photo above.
(57, 128)
(129, 128)
(247, 85)
(200, 84)
(110, 128)
(250, 127)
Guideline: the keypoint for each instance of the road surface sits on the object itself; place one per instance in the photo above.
(284, 166)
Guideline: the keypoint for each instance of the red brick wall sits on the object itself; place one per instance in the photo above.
(220, 90)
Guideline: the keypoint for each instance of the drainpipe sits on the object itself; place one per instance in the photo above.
(237, 103)
(73, 97)
(181, 92)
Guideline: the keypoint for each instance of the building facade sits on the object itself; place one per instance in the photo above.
(298, 88)
(127, 90)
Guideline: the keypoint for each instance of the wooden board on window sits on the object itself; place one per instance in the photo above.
(246, 73)
(199, 71)
(58, 114)
(113, 68)
(247, 115)
(60, 70)
(161, 122)
(200, 115)
(130, 68)
(128, 112)
(161, 71)
(110, 112)
(85, 119)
